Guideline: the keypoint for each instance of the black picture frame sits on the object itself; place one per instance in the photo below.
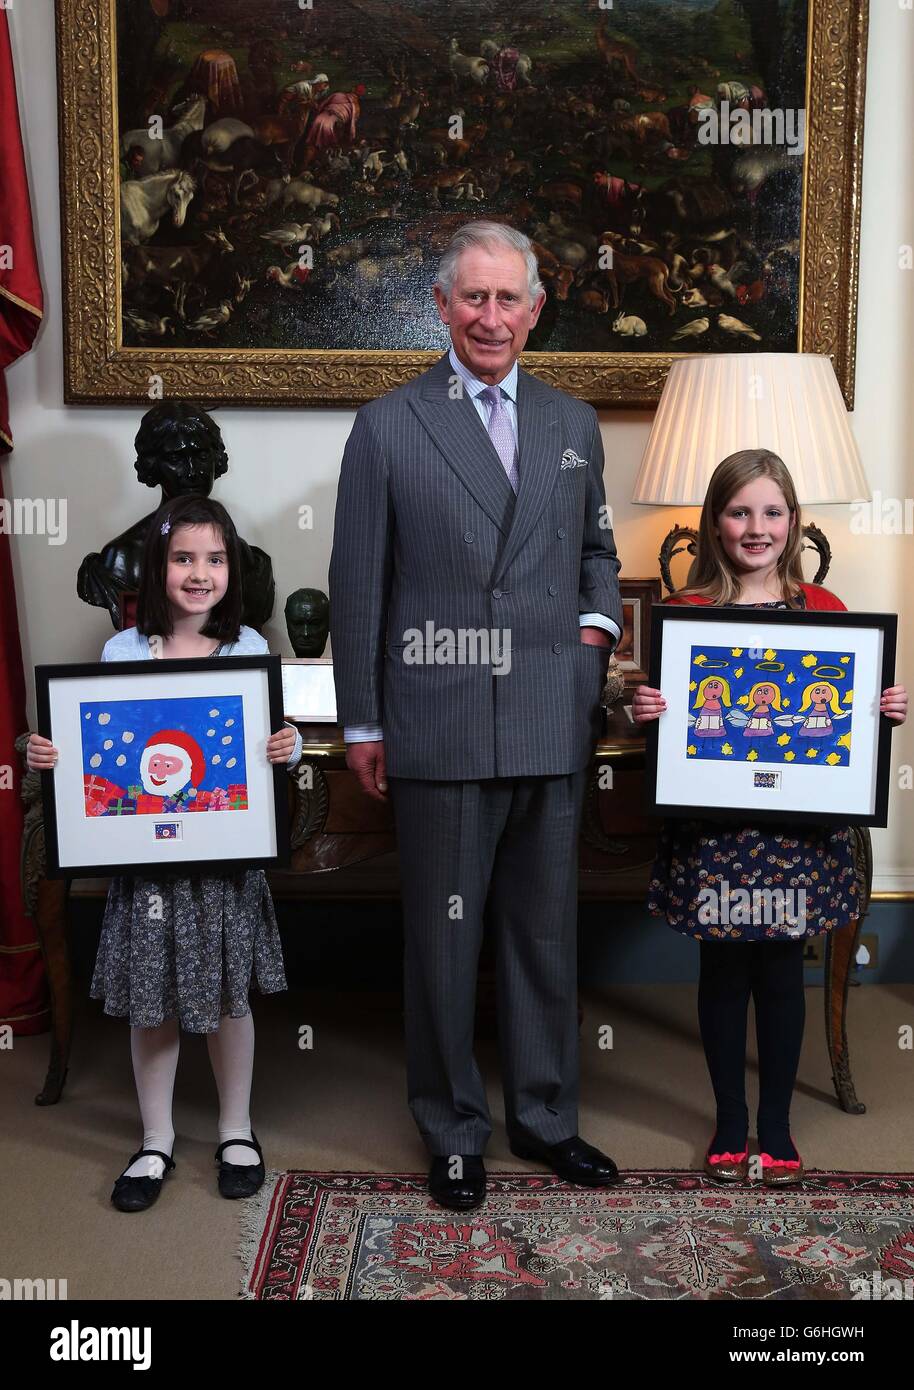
(887, 623)
(167, 669)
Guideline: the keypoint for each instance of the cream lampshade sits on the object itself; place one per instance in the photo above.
(716, 404)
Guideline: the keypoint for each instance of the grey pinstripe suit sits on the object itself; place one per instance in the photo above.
(487, 771)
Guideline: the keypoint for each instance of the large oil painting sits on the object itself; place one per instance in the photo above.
(274, 184)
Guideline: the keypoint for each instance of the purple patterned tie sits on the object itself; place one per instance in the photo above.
(501, 432)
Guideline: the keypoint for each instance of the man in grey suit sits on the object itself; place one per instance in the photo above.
(474, 602)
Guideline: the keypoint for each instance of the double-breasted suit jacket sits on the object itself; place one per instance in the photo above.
(430, 538)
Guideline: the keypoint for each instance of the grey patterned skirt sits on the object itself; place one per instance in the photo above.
(187, 948)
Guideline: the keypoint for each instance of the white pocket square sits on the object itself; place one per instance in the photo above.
(572, 460)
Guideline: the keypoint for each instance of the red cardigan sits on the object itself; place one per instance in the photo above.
(817, 599)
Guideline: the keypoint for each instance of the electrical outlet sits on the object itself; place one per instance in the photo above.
(814, 951)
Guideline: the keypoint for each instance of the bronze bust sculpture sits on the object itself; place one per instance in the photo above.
(178, 448)
(308, 621)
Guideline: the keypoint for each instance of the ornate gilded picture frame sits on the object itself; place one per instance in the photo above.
(255, 197)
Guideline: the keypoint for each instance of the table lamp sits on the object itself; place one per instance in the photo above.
(715, 404)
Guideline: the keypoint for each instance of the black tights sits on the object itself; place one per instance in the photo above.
(772, 972)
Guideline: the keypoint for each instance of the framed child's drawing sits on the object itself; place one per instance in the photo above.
(771, 715)
(163, 766)
(255, 197)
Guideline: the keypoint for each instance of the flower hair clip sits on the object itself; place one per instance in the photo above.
(166, 526)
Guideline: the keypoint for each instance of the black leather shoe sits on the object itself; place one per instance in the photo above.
(572, 1159)
(458, 1194)
(240, 1179)
(136, 1194)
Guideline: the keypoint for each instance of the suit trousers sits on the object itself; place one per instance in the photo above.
(514, 843)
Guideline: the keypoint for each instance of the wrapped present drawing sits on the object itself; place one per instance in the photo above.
(147, 805)
(218, 800)
(121, 806)
(99, 789)
(238, 796)
(136, 791)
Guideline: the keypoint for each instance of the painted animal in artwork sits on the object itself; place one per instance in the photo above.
(144, 203)
(165, 152)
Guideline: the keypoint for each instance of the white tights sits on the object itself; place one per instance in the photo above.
(155, 1061)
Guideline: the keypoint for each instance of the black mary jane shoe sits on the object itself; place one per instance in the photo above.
(136, 1194)
(458, 1194)
(240, 1179)
(572, 1159)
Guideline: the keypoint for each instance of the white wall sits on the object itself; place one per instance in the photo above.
(282, 459)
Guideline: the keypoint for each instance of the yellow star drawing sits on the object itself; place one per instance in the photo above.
(751, 756)
(727, 749)
(833, 758)
(691, 750)
(789, 756)
(736, 651)
(809, 660)
(783, 738)
(844, 741)
(812, 752)
(770, 655)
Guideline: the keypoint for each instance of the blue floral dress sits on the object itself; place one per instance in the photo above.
(716, 882)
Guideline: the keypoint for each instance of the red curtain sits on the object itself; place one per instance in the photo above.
(23, 991)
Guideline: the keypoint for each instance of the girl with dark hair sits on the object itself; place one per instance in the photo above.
(184, 951)
(748, 555)
(164, 591)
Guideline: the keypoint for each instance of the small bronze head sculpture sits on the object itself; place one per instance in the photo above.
(308, 621)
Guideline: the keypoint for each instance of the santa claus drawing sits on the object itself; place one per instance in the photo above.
(172, 762)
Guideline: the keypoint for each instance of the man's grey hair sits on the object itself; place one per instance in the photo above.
(488, 235)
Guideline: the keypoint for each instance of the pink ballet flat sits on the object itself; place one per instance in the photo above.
(780, 1172)
(727, 1167)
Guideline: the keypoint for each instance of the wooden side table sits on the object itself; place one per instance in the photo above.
(343, 848)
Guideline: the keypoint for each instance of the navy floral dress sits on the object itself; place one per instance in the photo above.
(808, 871)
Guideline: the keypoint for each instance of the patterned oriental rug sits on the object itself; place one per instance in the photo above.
(658, 1235)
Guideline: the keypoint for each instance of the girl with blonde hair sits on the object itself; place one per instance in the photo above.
(748, 555)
